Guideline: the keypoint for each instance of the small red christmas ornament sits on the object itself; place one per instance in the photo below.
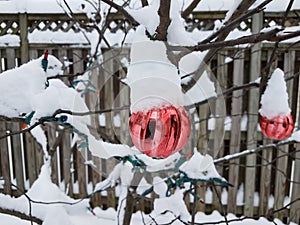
(159, 125)
(276, 121)
(278, 128)
(160, 132)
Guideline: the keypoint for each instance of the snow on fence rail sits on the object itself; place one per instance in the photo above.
(262, 182)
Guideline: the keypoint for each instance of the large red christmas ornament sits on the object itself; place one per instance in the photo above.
(160, 132)
(278, 128)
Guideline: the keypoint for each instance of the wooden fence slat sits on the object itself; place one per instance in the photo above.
(124, 100)
(1, 61)
(5, 159)
(96, 175)
(77, 61)
(295, 208)
(10, 57)
(33, 54)
(220, 113)
(39, 158)
(17, 155)
(31, 158)
(51, 138)
(66, 150)
(81, 173)
(282, 162)
(265, 179)
(235, 137)
(281, 170)
(253, 102)
(108, 68)
(93, 98)
(202, 148)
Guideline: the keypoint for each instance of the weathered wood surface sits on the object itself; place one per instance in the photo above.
(255, 70)
(235, 137)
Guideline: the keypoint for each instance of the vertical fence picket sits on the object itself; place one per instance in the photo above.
(39, 157)
(219, 129)
(17, 155)
(51, 139)
(235, 136)
(295, 208)
(31, 158)
(265, 179)
(124, 101)
(10, 58)
(108, 67)
(5, 159)
(81, 173)
(65, 148)
(33, 54)
(1, 61)
(202, 148)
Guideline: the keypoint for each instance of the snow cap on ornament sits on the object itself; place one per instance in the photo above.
(152, 77)
(159, 125)
(276, 120)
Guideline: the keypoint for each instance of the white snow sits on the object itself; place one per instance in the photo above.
(19, 86)
(40, 137)
(46, 6)
(177, 34)
(160, 187)
(274, 101)
(149, 64)
(200, 167)
(43, 190)
(189, 64)
(57, 37)
(157, 165)
(11, 220)
(10, 40)
(122, 173)
(295, 136)
(173, 205)
(142, 15)
(203, 89)
(62, 213)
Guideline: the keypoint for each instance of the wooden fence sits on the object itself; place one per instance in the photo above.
(270, 179)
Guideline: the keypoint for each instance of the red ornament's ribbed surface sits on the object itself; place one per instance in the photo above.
(277, 128)
(160, 132)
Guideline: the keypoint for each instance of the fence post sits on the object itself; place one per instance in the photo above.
(255, 69)
(23, 25)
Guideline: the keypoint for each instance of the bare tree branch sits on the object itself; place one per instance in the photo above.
(252, 151)
(241, 9)
(164, 20)
(190, 9)
(230, 25)
(120, 9)
(20, 215)
(266, 70)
